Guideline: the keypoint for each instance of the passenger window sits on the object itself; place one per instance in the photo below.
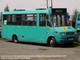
(49, 21)
(30, 20)
(42, 21)
(18, 20)
(7, 19)
(12, 19)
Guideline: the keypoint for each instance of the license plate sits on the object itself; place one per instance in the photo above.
(70, 38)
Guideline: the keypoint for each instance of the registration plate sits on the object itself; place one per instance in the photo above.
(70, 39)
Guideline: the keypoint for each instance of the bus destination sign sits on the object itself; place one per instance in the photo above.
(59, 10)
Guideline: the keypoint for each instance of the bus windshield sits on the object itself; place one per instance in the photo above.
(79, 17)
(60, 20)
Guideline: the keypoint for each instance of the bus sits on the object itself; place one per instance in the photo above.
(47, 26)
(77, 25)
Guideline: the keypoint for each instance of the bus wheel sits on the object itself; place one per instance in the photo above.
(52, 42)
(79, 37)
(15, 40)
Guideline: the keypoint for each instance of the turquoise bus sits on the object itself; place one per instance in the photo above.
(47, 26)
(77, 25)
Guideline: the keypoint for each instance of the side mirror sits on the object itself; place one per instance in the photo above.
(68, 16)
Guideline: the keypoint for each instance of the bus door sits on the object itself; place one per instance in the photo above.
(41, 30)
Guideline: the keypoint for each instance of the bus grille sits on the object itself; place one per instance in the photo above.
(69, 33)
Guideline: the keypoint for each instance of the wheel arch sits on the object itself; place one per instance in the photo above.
(14, 35)
(48, 39)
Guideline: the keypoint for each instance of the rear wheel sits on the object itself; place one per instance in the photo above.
(52, 42)
(15, 40)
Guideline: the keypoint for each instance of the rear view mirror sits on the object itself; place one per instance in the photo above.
(68, 16)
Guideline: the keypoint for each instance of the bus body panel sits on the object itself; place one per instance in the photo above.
(34, 34)
(27, 33)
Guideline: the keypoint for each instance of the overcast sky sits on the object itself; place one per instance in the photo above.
(71, 5)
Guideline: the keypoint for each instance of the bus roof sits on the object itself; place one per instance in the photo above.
(26, 12)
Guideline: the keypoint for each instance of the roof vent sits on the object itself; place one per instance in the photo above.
(19, 9)
(41, 9)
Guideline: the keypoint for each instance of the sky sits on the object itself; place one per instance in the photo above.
(71, 5)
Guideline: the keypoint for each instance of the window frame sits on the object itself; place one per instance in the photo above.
(44, 17)
(22, 20)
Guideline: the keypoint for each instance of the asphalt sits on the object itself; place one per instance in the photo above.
(32, 51)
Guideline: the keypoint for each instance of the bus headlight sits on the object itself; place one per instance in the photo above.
(62, 34)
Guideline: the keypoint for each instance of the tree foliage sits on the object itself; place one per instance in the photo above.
(74, 15)
(14, 10)
(6, 8)
(0, 15)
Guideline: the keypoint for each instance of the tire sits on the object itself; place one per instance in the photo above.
(15, 40)
(79, 37)
(52, 42)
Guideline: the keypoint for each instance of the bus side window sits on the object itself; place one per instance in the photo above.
(7, 19)
(10, 20)
(49, 21)
(18, 19)
(42, 21)
(30, 20)
(23, 19)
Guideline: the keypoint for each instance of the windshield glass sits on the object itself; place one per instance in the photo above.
(60, 20)
(79, 17)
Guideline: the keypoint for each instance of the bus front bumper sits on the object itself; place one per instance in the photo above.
(66, 40)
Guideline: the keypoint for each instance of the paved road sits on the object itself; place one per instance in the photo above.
(37, 51)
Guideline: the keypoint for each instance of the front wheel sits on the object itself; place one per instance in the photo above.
(52, 42)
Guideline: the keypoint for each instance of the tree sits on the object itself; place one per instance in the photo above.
(6, 8)
(14, 10)
(74, 15)
(0, 15)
